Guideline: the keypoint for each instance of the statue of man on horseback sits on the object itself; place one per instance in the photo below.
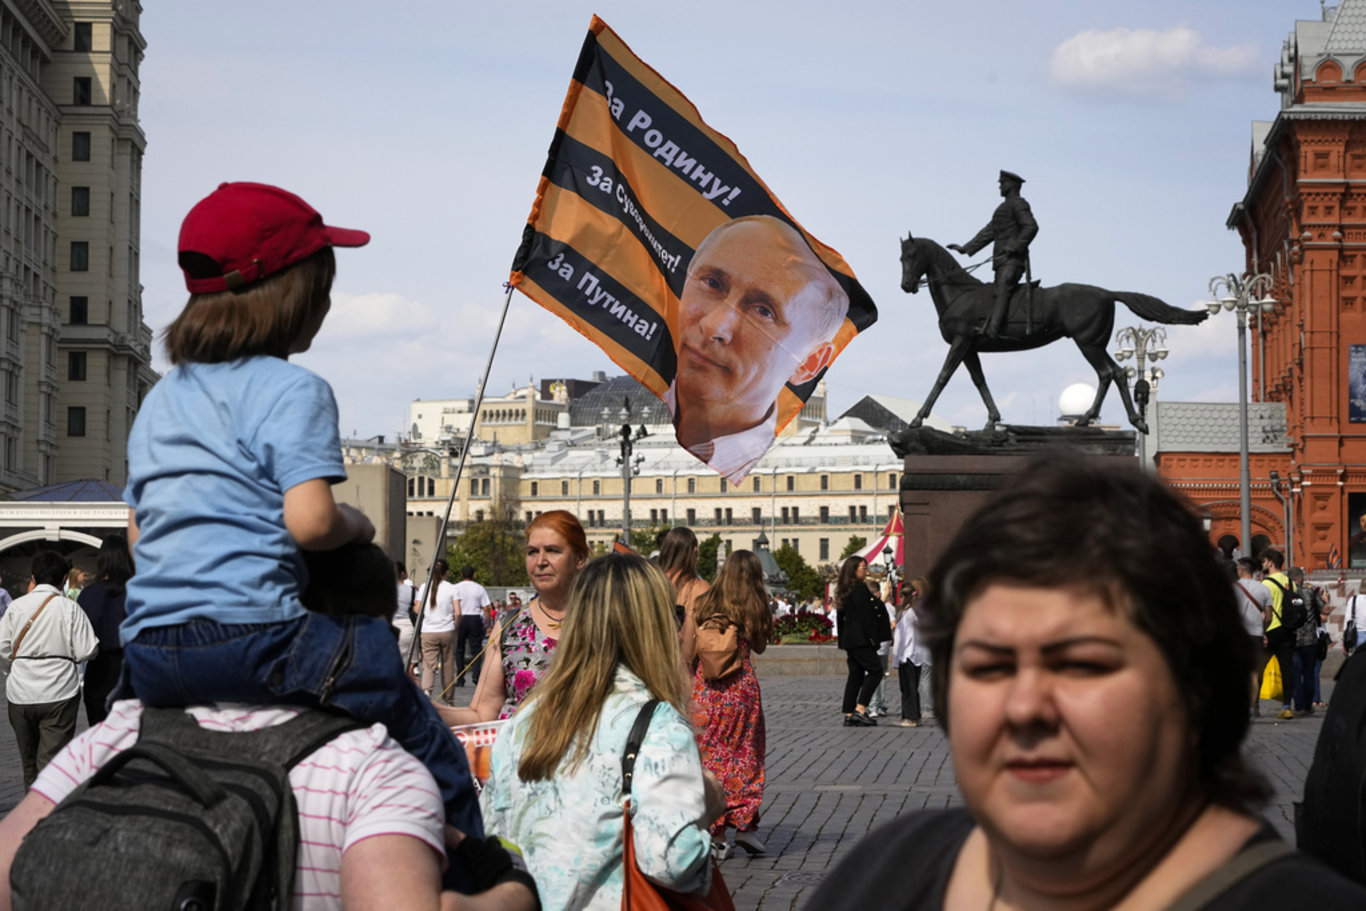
(1010, 230)
(1083, 313)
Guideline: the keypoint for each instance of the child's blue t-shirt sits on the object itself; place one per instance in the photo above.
(211, 454)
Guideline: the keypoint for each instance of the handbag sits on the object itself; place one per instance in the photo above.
(1271, 680)
(637, 892)
(718, 648)
(1349, 634)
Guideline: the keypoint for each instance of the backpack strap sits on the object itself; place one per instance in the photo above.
(1279, 612)
(633, 742)
(1244, 864)
(14, 651)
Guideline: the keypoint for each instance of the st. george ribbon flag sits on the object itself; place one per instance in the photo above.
(652, 236)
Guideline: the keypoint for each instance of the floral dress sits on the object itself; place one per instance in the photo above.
(526, 657)
(728, 719)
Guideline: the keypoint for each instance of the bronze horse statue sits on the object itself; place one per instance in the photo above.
(1037, 317)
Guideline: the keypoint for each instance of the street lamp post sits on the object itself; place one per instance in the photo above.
(1243, 294)
(1143, 345)
(629, 467)
(1278, 484)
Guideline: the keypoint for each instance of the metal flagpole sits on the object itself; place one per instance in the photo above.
(440, 551)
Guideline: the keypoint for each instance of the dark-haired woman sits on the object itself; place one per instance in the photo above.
(103, 602)
(862, 624)
(1094, 721)
(678, 551)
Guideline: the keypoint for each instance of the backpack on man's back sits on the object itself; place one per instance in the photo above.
(187, 818)
(1294, 612)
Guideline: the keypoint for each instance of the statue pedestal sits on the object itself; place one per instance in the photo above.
(948, 476)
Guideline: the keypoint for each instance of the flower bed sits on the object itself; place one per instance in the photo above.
(803, 627)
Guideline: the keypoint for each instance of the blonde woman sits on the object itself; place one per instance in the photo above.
(728, 713)
(678, 559)
(555, 785)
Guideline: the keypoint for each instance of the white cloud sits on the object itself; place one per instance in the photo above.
(1146, 63)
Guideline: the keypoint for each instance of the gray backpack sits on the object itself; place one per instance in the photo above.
(187, 818)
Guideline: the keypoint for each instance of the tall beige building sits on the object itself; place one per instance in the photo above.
(75, 355)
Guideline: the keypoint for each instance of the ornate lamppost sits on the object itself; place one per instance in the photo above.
(1143, 345)
(1243, 294)
(630, 466)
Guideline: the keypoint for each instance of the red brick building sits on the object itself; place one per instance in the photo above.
(1303, 221)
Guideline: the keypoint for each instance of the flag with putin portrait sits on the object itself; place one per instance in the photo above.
(651, 235)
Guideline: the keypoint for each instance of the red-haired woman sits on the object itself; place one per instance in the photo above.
(728, 712)
(556, 549)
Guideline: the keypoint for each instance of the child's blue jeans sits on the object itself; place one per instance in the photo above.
(346, 663)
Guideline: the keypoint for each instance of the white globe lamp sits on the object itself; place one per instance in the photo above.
(1074, 402)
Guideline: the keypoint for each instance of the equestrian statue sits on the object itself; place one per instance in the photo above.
(1032, 316)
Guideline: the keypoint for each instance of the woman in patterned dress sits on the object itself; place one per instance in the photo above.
(556, 549)
(728, 714)
(555, 784)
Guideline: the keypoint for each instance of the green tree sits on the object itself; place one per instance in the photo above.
(802, 580)
(643, 539)
(494, 547)
(856, 544)
(706, 557)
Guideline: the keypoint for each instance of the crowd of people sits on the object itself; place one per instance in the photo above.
(1094, 719)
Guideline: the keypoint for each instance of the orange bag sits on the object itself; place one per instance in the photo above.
(718, 648)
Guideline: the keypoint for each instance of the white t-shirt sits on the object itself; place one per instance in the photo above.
(472, 596)
(441, 618)
(1251, 607)
(406, 599)
(359, 785)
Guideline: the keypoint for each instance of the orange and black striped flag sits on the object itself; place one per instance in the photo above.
(652, 236)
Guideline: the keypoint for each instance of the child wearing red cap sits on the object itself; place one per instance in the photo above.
(231, 462)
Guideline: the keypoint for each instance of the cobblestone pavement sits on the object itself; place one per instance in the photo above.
(828, 785)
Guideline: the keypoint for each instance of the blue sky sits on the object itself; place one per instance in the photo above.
(428, 127)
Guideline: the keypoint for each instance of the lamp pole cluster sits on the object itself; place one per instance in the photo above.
(1143, 345)
(1243, 294)
(630, 466)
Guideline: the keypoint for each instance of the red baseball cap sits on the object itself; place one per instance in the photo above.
(252, 230)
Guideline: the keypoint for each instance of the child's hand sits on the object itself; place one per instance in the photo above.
(362, 529)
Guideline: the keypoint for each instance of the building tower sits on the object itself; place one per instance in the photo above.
(75, 356)
(1303, 221)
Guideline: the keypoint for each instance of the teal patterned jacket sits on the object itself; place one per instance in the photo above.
(569, 828)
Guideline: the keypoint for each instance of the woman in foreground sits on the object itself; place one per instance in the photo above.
(555, 785)
(1094, 718)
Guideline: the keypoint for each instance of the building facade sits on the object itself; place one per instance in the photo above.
(75, 355)
(1303, 222)
(812, 492)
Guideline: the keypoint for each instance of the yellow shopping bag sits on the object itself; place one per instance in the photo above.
(1271, 680)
